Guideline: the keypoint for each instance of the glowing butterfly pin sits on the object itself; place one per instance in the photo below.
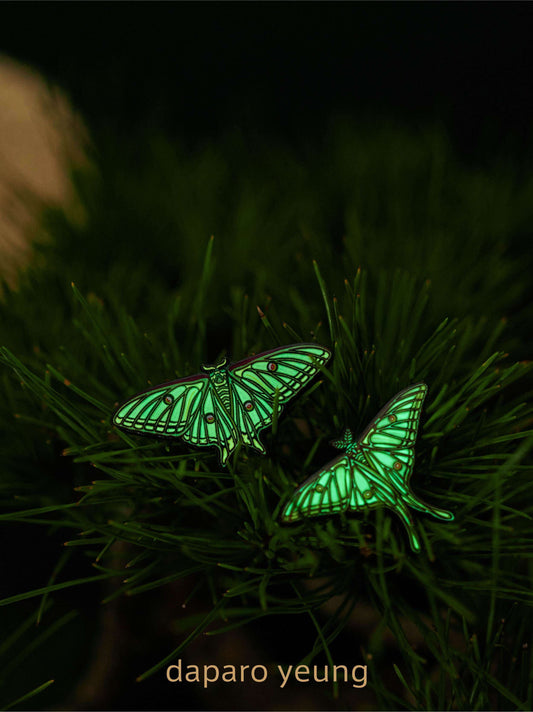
(226, 404)
(373, 471)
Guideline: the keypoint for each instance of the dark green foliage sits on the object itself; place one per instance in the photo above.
(417, 264)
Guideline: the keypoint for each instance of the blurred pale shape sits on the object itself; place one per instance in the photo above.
(41, 138)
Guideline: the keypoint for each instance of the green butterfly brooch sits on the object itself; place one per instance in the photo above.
(226, 404)
(373, 470)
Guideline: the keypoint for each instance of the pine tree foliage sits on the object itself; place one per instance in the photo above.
(424, 283)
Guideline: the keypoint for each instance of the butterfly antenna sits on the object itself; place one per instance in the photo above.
(344, 442)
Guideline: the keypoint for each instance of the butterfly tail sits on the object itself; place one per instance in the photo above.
(225, 449)
(421, 506)
(410, 527)
(253, 442)
(443, 514)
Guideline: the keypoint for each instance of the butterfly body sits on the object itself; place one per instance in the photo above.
(373, 471)
(226, 404)
(219, 381)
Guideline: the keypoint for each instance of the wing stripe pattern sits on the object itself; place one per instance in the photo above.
(150, 411)
(219, 431)
(396, 424)
(281, 370)
(374, 471)
(252, 413)
(228, 406)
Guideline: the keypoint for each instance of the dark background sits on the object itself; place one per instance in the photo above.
(197, 70)
(284, 68)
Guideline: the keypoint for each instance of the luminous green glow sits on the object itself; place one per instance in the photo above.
(226, 404)
(373, 471)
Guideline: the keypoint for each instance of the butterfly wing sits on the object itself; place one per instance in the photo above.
(187, 408)
(344, 483)
(375, 471)
(327, 491)
(251, 412)
(387, 445)
(192, 408)
(285, 370)
(258, 381)
(396, 424)
(347, 483)
(165, 410)
(396, 467)
(211, 425)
